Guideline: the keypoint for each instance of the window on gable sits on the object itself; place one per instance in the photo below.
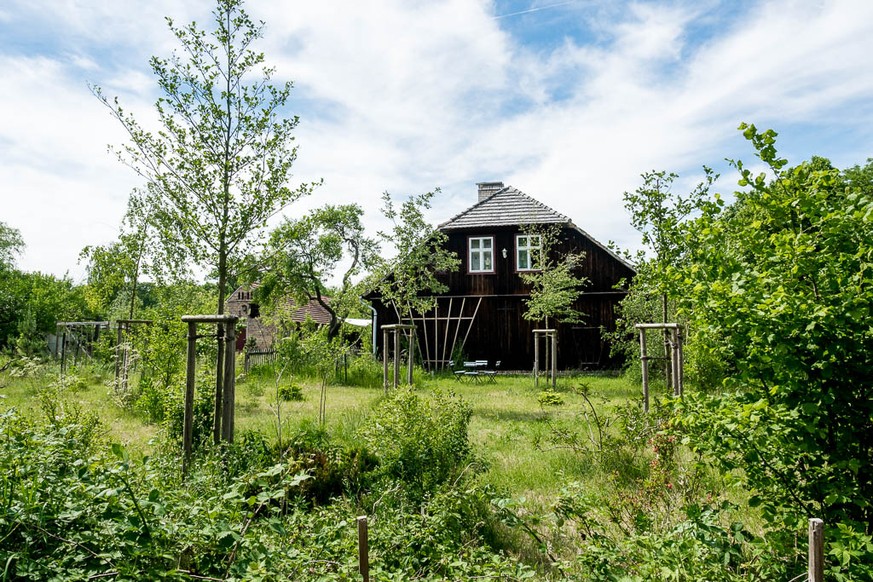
(481, 256)
(528, 251)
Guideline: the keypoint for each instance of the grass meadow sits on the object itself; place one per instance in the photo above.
(509, 428)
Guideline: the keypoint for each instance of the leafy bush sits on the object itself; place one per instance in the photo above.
(72, 507)
(335, 470)
(779, 285)
(365, 371)
(290, 392)
(173, 412)
(421, 442)
(550, 398)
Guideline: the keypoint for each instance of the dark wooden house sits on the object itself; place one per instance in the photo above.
(481, 314)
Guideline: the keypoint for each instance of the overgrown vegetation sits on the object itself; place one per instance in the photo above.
(772, 287)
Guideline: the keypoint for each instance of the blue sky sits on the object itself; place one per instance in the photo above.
(570, 101)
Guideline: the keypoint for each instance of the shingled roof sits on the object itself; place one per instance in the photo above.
(506, 207)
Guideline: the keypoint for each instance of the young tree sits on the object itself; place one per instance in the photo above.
(302, 255)
(219, 167)
(554, 286)
(662, 216)
(220, 164)
(410, 280)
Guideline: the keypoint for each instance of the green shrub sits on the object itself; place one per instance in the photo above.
(550, 398)
(291, 392)
(421, 442)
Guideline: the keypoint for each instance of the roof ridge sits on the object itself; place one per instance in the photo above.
(515, 198)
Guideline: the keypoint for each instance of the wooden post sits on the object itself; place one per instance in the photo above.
(64, 351)
(118, 357)
(225, 371)
(554, 335)
(396, 379)
(229, 397)
(680, 373)
(816, 550)
(188, 426)
(385, 360)
(674, 360)
(363, 549)
(644, 358)
(218, 409)
(410, 346)
(536, 360)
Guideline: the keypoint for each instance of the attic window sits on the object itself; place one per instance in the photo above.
(481, 254)
(528, 250)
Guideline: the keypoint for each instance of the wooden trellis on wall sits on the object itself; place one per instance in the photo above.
(441, 328)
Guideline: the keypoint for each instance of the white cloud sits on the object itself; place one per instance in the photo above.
(405, 96)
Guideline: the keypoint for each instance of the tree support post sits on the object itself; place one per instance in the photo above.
(554, 359)
(411, 356)
(218, 413)
(676, 353)
(363, 549)
(550, 337)
(396, 358)
(536, 361)
(223, 423)
(64, 352)
(393, 331)
(674, 358)
(188, 427)
(385, 359)
(229, 392)
(816, 550)
(644, 359)
(118, 356)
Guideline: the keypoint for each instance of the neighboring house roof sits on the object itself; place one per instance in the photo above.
(509, 206)
(314, 310)
(243, 297)
(506, 207)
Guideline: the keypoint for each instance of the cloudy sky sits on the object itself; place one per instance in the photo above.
(569, 101)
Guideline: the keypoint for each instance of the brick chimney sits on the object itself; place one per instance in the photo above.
(486, 189)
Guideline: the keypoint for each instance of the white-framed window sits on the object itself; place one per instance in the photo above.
(528, 252)
(481, 254)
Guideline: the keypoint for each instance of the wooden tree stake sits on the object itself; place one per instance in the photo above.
(816, 550)
(363, 549)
